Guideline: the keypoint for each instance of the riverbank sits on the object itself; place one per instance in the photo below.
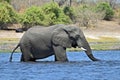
(106, 36)
(104, 43)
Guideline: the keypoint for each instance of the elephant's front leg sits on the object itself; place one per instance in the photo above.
(60, 53)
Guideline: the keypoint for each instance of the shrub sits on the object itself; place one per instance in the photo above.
(69, 11)
(109, 13)
(5, 0)
(46, 15)
(86, 16)
(32, 16)
(54, 14)
(7, 13)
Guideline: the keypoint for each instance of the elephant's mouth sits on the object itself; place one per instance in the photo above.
(74, 43)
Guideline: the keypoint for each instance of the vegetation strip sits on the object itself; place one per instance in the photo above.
(104, 43)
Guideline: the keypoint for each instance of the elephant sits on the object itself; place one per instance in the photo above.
(40, 42)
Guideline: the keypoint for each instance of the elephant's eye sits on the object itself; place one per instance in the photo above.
(77, 36)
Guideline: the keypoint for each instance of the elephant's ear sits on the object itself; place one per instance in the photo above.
(60, 37)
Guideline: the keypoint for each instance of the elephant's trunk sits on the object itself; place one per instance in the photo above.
(90, 55)
(85, 46)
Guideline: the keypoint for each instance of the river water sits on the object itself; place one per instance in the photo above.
(79, 67)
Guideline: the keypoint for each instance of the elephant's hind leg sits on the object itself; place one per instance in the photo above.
(26, 54)
(26, 60)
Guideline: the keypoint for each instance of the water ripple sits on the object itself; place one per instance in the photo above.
(78, 68)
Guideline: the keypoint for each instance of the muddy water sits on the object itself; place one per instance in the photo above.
(79, 67)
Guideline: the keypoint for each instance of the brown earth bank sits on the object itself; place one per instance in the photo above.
(104, 29)
(106, 33)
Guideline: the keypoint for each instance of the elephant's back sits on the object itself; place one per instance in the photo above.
(41, 30)
(45, 29)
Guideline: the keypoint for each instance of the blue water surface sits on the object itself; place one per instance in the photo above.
(79, 67)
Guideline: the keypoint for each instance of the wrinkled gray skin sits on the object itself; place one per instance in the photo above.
(41, 42)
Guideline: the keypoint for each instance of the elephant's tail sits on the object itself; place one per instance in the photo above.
(13, 52)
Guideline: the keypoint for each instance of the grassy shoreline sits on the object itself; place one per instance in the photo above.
(103, 43)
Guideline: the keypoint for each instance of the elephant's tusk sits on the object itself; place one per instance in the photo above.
(83, 49)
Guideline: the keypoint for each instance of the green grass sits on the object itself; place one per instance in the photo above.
(104, 43)
(8, 40)
(106, 46)
(104, 39)
(8, 44)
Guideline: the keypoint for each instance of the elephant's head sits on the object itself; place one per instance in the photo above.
(71, 36)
